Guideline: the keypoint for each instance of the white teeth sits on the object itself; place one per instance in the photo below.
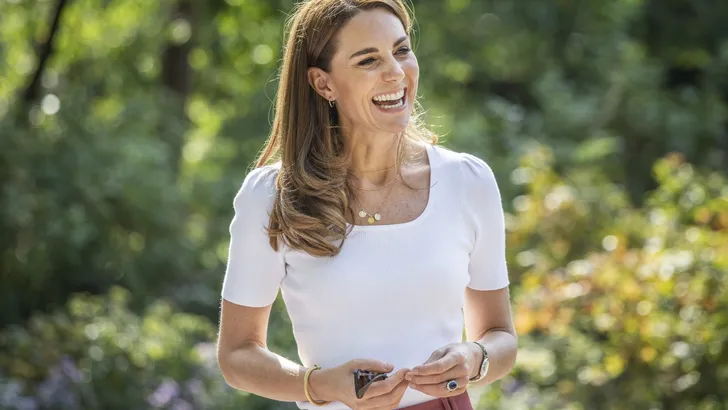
(398, 105)
(390, 97)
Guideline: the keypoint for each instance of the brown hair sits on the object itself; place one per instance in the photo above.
(312, 202)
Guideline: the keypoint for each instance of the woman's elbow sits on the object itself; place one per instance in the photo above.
(511, 363)
(223, 362)
(230, 372)
(234, 361)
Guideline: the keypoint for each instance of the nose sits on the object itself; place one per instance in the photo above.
(394, 71)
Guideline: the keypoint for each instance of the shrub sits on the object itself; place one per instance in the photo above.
(97, 354)
(617, 305)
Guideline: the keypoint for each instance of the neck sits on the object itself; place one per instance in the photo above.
(372, 157)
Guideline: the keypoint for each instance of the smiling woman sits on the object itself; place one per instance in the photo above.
(339, 96)
(360, 78)
(352, 202)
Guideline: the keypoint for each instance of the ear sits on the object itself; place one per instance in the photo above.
(320, 80)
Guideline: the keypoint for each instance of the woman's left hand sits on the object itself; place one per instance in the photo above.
(455, 361)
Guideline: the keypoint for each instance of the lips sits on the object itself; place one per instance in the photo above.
(388, 105)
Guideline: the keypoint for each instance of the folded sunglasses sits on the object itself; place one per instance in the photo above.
(363, 379)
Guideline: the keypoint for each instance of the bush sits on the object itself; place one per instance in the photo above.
(97, 354)
(618, 305)
(91, 202)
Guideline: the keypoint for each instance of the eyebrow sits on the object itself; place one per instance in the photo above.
(374, 49)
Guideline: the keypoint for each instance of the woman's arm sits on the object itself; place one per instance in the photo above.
(246, 362)
(488, 320)
(248, 365)
(252, 280)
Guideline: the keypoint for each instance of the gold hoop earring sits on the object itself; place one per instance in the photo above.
(331, 103)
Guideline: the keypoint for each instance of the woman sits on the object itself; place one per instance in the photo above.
(378, 239)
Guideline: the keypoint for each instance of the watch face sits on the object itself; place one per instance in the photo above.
(484, 367)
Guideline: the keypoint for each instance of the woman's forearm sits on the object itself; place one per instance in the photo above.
(257, 370)
(502, 347)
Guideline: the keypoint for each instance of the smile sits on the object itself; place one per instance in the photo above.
(391, 102)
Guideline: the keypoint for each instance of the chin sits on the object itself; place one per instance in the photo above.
(392, 127)
(399, 128)
(394, 124)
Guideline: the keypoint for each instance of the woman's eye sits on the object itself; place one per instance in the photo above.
(366, 62)
(403, 50)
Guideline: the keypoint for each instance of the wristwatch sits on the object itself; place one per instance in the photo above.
(483, 365)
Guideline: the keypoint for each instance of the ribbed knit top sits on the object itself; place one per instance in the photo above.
(395, 293)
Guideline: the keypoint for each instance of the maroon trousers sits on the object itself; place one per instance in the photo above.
(459, 402)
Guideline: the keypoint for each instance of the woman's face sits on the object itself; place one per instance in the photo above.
(373, 74)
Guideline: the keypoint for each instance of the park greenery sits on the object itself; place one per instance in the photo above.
(127, 126)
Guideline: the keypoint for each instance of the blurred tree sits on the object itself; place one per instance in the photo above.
(45, 51)
(176, 75)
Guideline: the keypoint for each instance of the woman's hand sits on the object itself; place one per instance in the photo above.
(456, 361)
(337, 384)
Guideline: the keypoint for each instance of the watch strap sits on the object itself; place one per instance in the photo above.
(482, 368)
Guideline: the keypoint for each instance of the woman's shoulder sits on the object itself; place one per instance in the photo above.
(259, 187)
(464, 167)
(474, 184)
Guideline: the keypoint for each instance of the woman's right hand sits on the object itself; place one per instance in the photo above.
(337, 384)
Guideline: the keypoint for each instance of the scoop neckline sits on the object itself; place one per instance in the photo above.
(430, 149)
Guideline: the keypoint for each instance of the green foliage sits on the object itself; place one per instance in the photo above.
(497, 74)
(618, 304)
(77, 216)
(98, 354)
(122, 173)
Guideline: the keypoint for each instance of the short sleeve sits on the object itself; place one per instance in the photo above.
(487, 266)
(254, 270)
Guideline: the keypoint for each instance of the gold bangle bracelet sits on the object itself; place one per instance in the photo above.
(305, 386)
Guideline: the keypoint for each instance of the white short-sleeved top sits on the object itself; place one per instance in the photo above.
(395, 293)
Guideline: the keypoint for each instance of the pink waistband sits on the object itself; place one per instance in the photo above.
(459, 402)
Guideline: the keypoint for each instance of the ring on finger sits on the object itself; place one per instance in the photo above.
(451, 385)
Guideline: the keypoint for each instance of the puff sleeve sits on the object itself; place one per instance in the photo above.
(254, 270)
(484, 213)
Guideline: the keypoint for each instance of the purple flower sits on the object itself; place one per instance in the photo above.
(57, 389)
(9, 391)
(512, 386)
(168, 390)
(24, 403)
(68, 367)
(207, 353)
(180, 404)
(50, 386)
(195, 387)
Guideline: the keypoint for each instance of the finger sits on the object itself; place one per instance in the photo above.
(385, 386)
(401, 389)
(388, 400)
(371, 365)
(437, 354)
(440, 389)
(450, 374)
(450, 360)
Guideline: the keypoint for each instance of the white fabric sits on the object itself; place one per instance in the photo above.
(395, 292)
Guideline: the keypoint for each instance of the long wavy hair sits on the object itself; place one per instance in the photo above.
(312, 201)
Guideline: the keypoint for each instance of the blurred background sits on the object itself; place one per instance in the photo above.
(127, 126)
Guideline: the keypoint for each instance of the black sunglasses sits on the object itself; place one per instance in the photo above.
(363, 379)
